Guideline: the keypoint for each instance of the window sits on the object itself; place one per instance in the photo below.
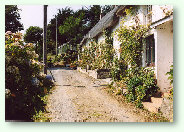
(150, 51)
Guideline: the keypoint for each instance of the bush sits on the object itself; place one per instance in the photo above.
(25, 83)
(118, 69)
(170, 73)
(141, 85)
(97, 56)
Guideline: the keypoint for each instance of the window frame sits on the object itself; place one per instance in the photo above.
(150, 51)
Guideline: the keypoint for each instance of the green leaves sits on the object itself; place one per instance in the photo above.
(24, 81)
(12, 18)
(170, 73)
(97, 55)
(131, 39)
(141, 85)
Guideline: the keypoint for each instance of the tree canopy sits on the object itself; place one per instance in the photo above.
(61, 17)
(34, 35)
(12, 19)
(73, 25)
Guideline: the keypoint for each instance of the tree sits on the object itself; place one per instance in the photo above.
(61, 17)
(34, 35)
(106, 9)
(73, 27)
(12, 18)
(94, 15)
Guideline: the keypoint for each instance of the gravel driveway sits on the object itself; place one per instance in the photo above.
(79, 98)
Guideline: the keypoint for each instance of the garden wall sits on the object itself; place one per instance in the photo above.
(97, 74)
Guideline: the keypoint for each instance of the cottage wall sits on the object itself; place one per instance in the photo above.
(127, 22)
(116, 43)
(164, 51)
(163, 36)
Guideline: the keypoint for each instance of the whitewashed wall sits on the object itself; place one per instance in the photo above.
(163, 43)
(164, 51)
(116, 43)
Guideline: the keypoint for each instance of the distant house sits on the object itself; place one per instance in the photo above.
(158, 50)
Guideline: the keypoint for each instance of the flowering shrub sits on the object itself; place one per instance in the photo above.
(24, 83)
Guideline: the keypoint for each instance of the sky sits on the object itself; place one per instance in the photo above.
(32, 15)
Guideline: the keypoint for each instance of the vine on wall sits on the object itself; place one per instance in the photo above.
(140, 82)
(97, 56)
(131, 39)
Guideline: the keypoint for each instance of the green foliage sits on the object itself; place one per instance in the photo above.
(170, 73)
(140, 82)
(70, 56)
(131, 10)
(70, 23)
(41, 117)
(131, 39)
(118, 69)
(12, 18)
(26, 85)
(73, 25)
(171, 93)
(106, 8)
(97, 56)
(34, 35)
(61, 17)
(141, 85)
(94, 15)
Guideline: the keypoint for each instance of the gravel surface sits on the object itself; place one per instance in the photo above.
(79, 98)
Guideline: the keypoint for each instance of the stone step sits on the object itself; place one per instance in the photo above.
(150, 107)
(157, 102)
(154, 105)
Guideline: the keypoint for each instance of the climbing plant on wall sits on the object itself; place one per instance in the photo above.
(140, 82)
(97, 55)
(131, 39)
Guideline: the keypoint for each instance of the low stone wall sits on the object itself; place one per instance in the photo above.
(92, 73)
(103, 73)
(97, 74)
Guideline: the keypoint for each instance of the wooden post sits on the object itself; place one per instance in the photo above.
(45, 39)
(56, 37)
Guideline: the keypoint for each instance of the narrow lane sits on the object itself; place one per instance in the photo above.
(79, 98)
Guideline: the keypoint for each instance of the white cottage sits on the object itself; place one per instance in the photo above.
(158, 50)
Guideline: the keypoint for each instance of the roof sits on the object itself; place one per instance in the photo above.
(161, 21)
(107, 21)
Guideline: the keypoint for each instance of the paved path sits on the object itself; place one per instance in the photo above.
(79, 98)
